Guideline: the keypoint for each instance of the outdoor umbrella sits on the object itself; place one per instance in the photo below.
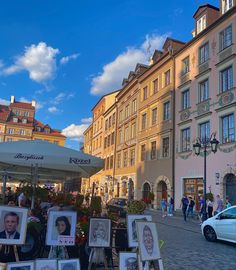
(47, 160)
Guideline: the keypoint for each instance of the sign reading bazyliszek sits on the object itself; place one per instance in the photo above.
(79, 161)
(28, 157)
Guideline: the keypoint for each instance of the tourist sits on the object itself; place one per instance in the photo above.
(228, 203)
(209, 208)
(163, 207)
(170, 205)
(190, 206)
(184, 205)
(220, 204)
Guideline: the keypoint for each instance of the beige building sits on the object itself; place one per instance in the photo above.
(155, 125)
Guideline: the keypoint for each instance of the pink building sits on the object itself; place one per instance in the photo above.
(205, 73)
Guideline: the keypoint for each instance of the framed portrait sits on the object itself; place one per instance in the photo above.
(72, 264)
(45, 264)
(131, 226)
(13, 225)
(99, 232)
(148, 241)
(29, 265)
(2, 266)
(61, 228)
(128, 261)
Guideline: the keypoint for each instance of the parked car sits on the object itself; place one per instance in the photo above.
(117, 205)
(222, 226)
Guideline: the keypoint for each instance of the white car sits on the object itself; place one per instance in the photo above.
(222, 226)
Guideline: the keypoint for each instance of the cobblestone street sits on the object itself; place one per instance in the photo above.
(186, 248)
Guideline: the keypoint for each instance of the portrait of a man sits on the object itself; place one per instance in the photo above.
(128, 261)
(99, 232)
(11, 222)
(148, 240)
(13, 225)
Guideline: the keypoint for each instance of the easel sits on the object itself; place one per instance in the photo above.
(7, 250)
(55, 250)
(97, 256)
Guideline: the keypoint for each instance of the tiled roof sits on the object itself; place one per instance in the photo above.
(4, 113)
(52, 131)
(22, 105)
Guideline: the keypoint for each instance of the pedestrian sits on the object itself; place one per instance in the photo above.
(209, 208)
(170, 205)
(201, 211)
(220, 205)
(184, 204)
(190, 206)
(228, 203)
(163, 207)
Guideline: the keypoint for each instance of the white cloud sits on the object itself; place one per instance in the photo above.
(87, 120)
(4, 101)
(113, 73)
(53, 109)
(64, 60)
(39, 60)
(75, 132)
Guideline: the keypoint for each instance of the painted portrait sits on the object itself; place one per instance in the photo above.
(61, 228)
(148, 241)
(72, 264)
(13, 225)
(128, 261)
(45, 264)
(29, 265)
(132, 231)
(99, 232)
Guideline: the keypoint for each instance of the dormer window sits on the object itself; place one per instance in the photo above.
(38, 129)
(201, 24)
(26, 114)
(15, 119)
(24, 121)
(17, 112)
(226, 5)
(47, 130)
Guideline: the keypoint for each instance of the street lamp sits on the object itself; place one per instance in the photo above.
(204, 143)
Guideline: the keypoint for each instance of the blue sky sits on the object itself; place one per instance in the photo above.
(67, 54)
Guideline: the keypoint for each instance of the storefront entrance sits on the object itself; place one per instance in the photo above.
(146, 190)
(161, 192)
(194, 187)
(230, 187)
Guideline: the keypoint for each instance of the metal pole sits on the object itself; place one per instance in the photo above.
(4, 179)
(35, 175)
(204, 214)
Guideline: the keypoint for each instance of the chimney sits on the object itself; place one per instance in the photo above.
(33, 103)
(12, 99)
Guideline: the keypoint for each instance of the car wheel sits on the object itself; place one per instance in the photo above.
(210, 234)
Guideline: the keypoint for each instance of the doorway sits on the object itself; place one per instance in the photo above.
(230, 187)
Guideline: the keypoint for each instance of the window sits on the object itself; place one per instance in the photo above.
(120, 136)
(108, 140)
(185, 99)
(17, 112)
(126, 134)
(109, 122)
(185, 65)
(226, 5)
(105, 142)
(226, 38)
(113, 118)
(133, 130)
(229, 214)
(111, 162)
(107, 163)
(24, 120)
(155, 86)
(228, 128)
(154, 116)
(106, 124)
(125, 158)
(167, 110)
(9, 140)
(145, 93)
(201, 24)
(127, 111)
(203, 53)
(226, 79)
(121, 115)
(112, 138)
(167, 77)
(203, 90)
(185, 139)
(134, 106)
(56, 142)
(26, 114)
(118, 160)
(143, 152)
(153, 150)
(144, 120)
(204, 130)
(22, 132)
(165, 147)
(15, 119)
(10, 131)
(132, 157)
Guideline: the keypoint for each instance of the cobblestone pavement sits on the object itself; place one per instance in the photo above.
(185, 247)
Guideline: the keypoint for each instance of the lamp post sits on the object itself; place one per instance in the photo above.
(204, 143)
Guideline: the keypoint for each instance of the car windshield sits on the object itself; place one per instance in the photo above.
(229, 214)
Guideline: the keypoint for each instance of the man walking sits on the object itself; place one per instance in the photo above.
(184, 204)
(190, 206)
(170, 205)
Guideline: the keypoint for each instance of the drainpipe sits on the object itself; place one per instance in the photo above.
(114, 155)
(173, 132)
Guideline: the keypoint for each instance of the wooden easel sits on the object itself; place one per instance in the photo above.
(97, 253)
(7, 250)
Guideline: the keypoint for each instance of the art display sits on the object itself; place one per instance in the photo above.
(2, 266)
(13, 225)
(128, 261)
(45, 264)
(61, 228)
(72, 264)
(99, 232)
(148, 241)
(29, 265)
(131, 226)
